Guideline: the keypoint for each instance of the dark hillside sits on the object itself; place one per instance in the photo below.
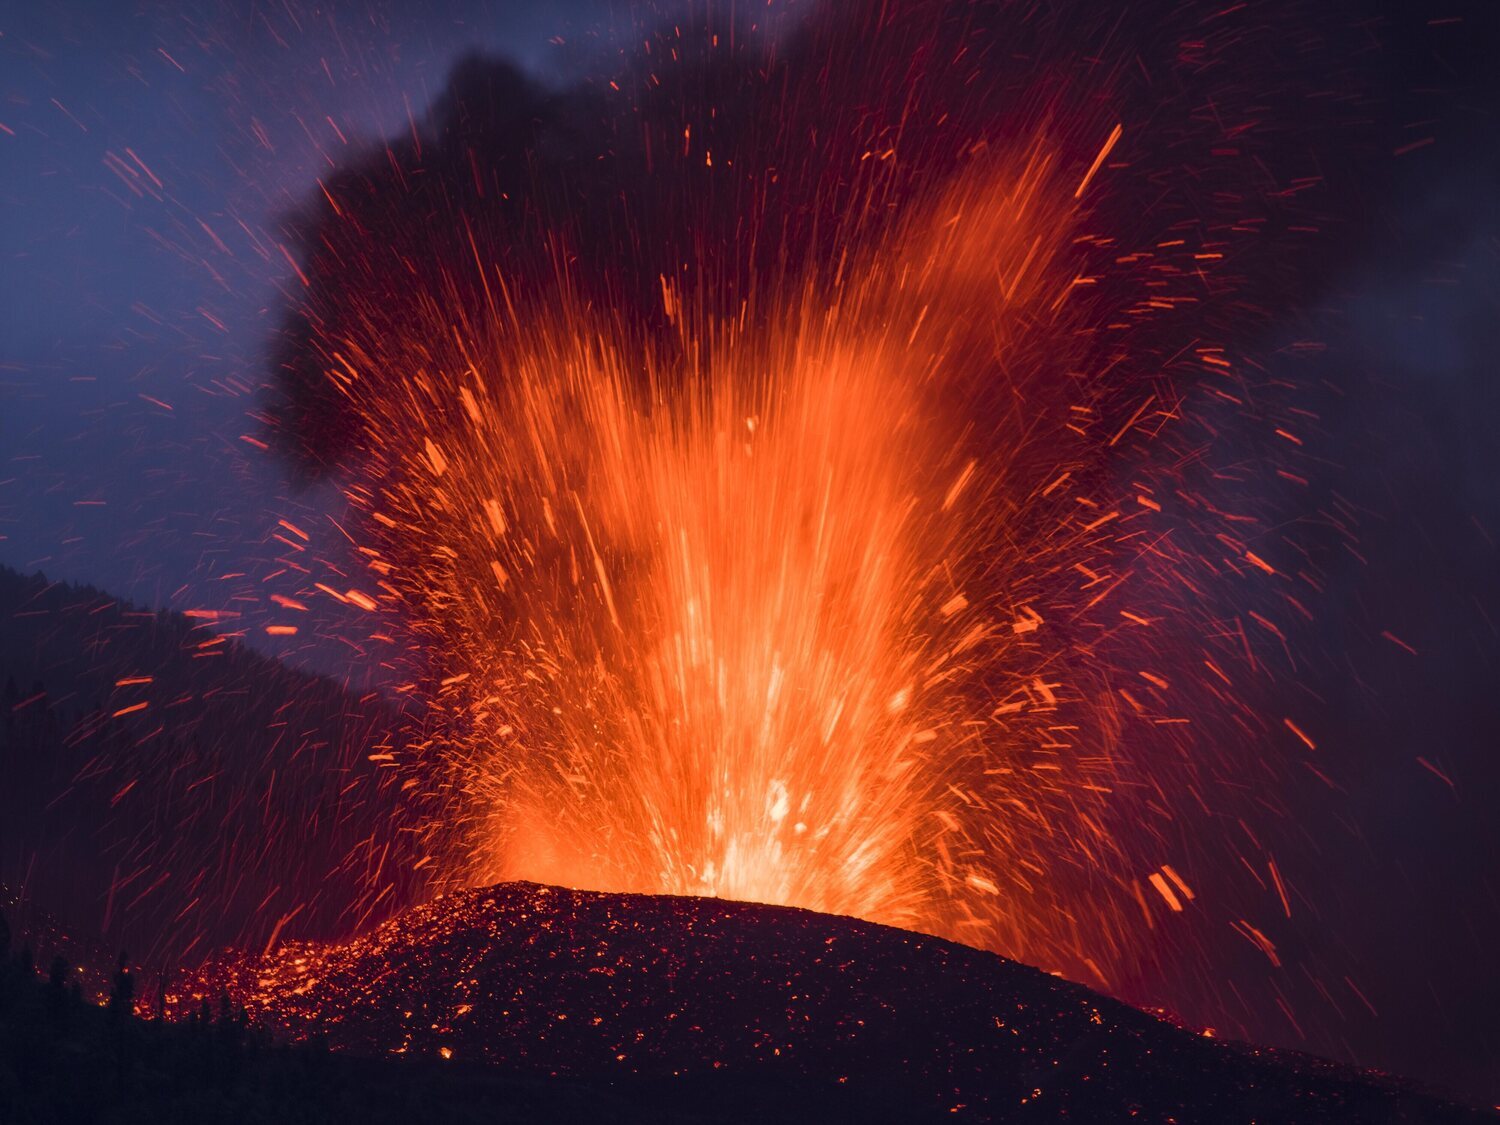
(173, 791)
(779, 1014)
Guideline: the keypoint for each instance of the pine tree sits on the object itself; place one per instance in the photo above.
(122, 995)
(57, 983)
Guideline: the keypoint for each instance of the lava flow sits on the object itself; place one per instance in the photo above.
(791, 472)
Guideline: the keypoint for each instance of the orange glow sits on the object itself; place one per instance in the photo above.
(753, 625)
(841, 525)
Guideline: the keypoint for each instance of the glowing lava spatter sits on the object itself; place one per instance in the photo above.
(784, 530)
(715, 630)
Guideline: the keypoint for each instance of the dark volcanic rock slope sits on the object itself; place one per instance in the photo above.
(767, 1011)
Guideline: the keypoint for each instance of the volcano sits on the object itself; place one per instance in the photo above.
(737, 1011)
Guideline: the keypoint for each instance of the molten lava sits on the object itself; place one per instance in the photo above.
(714, 625)
(777, 488)
(726, 629)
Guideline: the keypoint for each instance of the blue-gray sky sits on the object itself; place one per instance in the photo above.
(146, 153)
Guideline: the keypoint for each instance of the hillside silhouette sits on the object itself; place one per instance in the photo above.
(171, 790)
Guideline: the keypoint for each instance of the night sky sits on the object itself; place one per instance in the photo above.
(149, 151)
(138, 315)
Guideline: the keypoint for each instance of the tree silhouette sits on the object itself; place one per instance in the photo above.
(122, 995)
(57, 983)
